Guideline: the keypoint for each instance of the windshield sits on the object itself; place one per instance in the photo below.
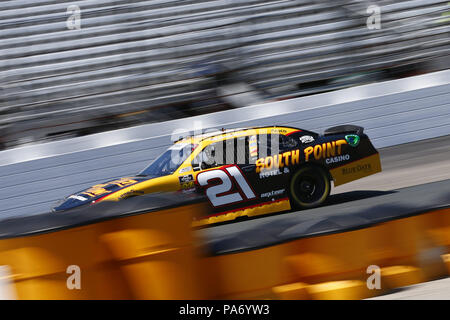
(169, 161)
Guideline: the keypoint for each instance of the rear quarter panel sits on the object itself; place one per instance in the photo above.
(345, 161)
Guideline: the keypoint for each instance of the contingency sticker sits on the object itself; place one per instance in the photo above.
(187, 182)
(253, 146)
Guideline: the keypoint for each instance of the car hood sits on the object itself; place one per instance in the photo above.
(96, 192)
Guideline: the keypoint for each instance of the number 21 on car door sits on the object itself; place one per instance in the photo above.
(225, 186)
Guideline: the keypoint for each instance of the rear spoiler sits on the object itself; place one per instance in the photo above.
(346, 128)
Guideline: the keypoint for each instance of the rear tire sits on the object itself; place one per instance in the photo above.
(309, 187)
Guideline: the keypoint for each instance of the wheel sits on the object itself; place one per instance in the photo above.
(309, 187)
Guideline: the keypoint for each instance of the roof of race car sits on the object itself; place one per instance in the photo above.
(228, 133)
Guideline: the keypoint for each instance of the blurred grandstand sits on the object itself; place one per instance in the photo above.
(141, 61)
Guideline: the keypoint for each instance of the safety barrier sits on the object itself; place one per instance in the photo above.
(145, 254)
(151, 252)
(326, 252)
(407, 251)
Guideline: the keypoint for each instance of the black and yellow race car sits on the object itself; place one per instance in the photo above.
(248, 172)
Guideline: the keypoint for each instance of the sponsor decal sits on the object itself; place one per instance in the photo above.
(79, 198)
(130, 193)
(324, 150)
(272, 193)
(278, 131)
(319, 151)
(188, 185)
(270, 173)
(364, 168)
(278, 161)
(186, 178)
(306, 139)
(227, 136)
(253, 146)
(186, 169)
(101, 188)
(187, 182)
(265, 174)
(352, 139)
(343, 157)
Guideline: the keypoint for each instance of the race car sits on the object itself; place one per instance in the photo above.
(248, 172)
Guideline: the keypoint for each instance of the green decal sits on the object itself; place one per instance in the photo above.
(352, 139)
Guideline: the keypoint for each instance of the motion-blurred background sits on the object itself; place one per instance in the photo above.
(71, 68)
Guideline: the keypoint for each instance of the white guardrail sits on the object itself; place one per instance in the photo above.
(394, 112)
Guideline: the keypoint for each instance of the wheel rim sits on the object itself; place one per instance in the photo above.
(310, 187)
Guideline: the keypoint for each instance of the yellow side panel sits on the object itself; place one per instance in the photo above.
(356, 169)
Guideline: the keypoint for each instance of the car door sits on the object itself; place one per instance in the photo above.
(224, 166)
(270, 183)
(232, 183)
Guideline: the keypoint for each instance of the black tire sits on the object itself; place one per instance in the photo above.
(309, 187)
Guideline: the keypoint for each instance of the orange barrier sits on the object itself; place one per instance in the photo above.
(39, 265)
(153, 256)
(408, 251)
(145, 256)
(155, 253)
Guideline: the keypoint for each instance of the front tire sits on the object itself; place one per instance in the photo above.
(309, 187)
